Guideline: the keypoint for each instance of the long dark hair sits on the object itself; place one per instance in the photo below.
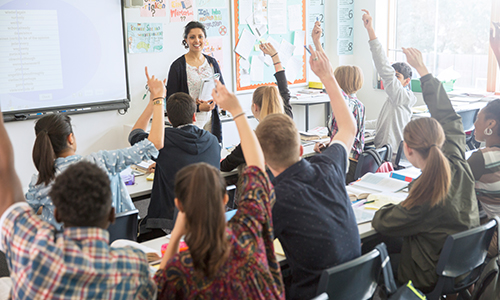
(51, 139)
(187, 29)
(200, 189)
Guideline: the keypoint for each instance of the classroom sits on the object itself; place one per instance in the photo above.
(367, 96)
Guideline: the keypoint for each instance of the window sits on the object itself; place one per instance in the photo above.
(452, 35)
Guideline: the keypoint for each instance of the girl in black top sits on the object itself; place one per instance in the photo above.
(265, 101)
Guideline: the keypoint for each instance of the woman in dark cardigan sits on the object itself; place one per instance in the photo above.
(264, 101)
(188, 71)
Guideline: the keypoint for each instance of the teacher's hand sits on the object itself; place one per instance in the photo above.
(205, 105)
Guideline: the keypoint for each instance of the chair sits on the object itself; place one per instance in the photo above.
(125, 226)
(468, 119)
(371, 159)
(400, 162)
(355, 279)
(463, 253)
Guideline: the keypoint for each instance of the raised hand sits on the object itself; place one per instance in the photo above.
(316, 31)
(268, 49)
(156, 86)
(367, 19)
(320, 64)
(415, 59)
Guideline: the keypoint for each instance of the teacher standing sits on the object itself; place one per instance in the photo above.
(188, 72)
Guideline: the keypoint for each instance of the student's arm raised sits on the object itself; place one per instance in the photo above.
(368, 23)
(10, 186)
(155, 109)
(249, 143)
(439, 105)
(316, 33)
(268, 49)
(321, 66)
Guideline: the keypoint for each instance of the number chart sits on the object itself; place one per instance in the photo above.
(345, 27)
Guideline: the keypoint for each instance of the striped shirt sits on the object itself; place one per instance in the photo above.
(485, 165)
(78, 264)
(358, 111)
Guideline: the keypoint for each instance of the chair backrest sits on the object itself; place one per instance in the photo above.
(125, 226)
(468, 118)
(371, 159)
(463, 253)
(355, 279)
(400, 162)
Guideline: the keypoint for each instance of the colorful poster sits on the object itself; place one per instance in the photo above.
(213, 47)
(145, 37)
(210, 3)
(181, 11)
(154, 8)
(215, 21)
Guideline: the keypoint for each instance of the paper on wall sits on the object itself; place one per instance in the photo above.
(181, 11)
(260, 9)
(266, 59)
(299, 42)
(245, 44)
(277, 23)
(246, 9)
(257, 69)
(273, 42)
(257, 30)
(244, 80)
(286, 52)
(244, 66)
(153, 8)
(294, 17)
(293, 68)
(210, 3)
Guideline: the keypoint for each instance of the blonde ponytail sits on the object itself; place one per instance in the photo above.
(426, 136)
(268, 99)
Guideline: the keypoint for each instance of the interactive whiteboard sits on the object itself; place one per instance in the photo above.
(61, 56)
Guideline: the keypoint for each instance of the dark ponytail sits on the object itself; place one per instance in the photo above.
(52, 132)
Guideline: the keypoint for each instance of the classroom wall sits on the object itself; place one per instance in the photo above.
(109, 130)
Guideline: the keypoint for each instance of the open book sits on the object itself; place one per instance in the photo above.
(372, 183)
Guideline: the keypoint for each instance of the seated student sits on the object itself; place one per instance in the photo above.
(79, 262)
(485, 163)
(55, 150)
(396, 111)
(313, 218)
(233, 260)
(184, 144)
(265, 101)
(442, 200)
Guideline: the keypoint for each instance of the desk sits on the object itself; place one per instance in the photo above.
(313, 100)
(458, 108)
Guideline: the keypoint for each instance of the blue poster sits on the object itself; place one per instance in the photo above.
(144, 37)
(215, 21)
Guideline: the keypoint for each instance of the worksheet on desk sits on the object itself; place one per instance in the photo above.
(380, 182)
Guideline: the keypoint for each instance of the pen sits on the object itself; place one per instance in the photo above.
(396, 50)
(308, 50)
(146, 93)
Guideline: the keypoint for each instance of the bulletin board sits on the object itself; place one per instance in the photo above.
(239, 25)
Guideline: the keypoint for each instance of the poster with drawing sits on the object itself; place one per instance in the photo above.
(215, 21)
(213, 47)
(144, 37)
(154, 8)
(181, 11)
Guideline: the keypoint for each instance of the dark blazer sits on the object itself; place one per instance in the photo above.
(177, 82)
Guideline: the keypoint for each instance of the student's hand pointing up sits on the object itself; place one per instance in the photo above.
(415, 59)
(320, 64)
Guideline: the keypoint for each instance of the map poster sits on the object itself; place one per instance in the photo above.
(144, 37)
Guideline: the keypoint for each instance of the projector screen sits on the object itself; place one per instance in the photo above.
(61, 56)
